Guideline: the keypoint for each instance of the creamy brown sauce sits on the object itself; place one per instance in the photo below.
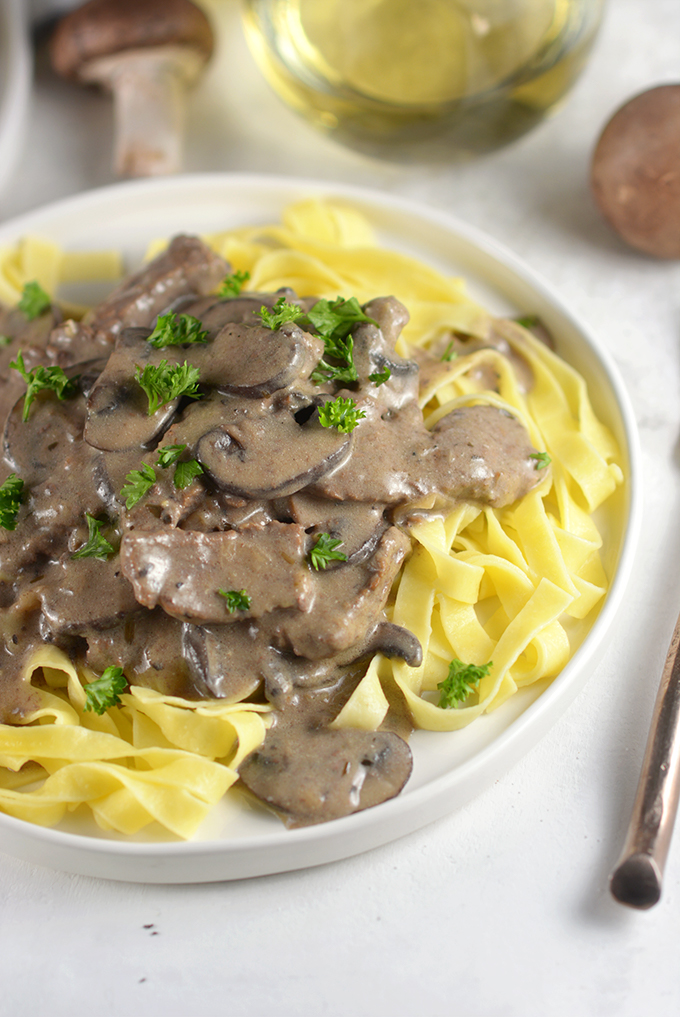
(274, 479)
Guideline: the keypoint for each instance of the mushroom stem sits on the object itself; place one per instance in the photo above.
(149, 89)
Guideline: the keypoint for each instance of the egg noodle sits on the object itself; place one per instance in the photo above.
(481, 585)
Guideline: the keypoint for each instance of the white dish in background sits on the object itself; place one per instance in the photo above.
(449, 769)
(16, 66)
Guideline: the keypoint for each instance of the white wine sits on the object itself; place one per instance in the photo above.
(411, 78)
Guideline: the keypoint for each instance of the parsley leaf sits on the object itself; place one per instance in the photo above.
(380, 377)
(341, 414)
(528, 321)
(11, 496)
(324, 551)
(33, 301)
(169, 454)
(280, 313)
(542, 459)
(41, 378)
(186, 472)
(96, 546)
(339, 349)
(449, 354)
(460, 682)
(164, 383)
(137, 483)
(175, 329)
(335, 319)
(233, 284)
(237, 600)
(105, 691)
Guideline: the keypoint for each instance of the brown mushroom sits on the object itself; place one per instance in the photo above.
(635, 174)
(146, 52)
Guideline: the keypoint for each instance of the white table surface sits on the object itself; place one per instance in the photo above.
(501, 909)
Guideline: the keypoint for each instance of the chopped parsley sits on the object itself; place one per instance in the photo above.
(137, 483)
(33, 300)
(237, 600)
(280, 313)
(341, 414)
(169, 454)
(528, 321)
(166, 382)
(97, 546)
(334, 320)
(41, 378)
(449, 354)
(105, 691)
(324, 551)
(11, 496)
(461, 680)
(542, 459)
(233, 284)
(186, 472)
(380, 377)
(176, 329)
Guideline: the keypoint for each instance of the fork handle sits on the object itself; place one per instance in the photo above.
(637, 878)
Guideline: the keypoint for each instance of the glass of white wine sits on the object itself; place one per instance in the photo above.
(414, 79)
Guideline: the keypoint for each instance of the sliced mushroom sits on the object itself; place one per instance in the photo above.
(357, 525)
(238, 452)
(226, 661)
(313, 776)
(184, 570)
(117, 410)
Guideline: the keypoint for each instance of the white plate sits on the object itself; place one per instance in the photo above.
(15, 84)
(449, 768)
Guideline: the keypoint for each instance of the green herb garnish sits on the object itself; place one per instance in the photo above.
(166, 382)
(186, 472)
(380, 377)
(333, 320)
(169, 454)
(5, 340)
(461, 680)
(449, 354)
(233, 284)
(33, 300)
(528, 321)
(96, 546)
(176, 329)
(41, 378)
(280, 313)
(105, 691)
(324, 551)
(341, 414)
(542, 459)
(137, 483)
(11, 496)
(237, 600)
(339, 349)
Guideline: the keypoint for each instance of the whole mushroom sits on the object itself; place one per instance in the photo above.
(635, 175)
(147, 53)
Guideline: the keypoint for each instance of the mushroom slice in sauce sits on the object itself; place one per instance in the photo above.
(312, 776)
(117, 416)
(184, 570)
(275, 360)
(226, 661)
(261, 452)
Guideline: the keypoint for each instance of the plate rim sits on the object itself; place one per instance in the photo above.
(163, 861)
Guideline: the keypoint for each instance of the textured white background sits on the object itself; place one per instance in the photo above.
(502, 909)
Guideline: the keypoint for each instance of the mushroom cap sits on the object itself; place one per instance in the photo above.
(103, 27)
(635, 174)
